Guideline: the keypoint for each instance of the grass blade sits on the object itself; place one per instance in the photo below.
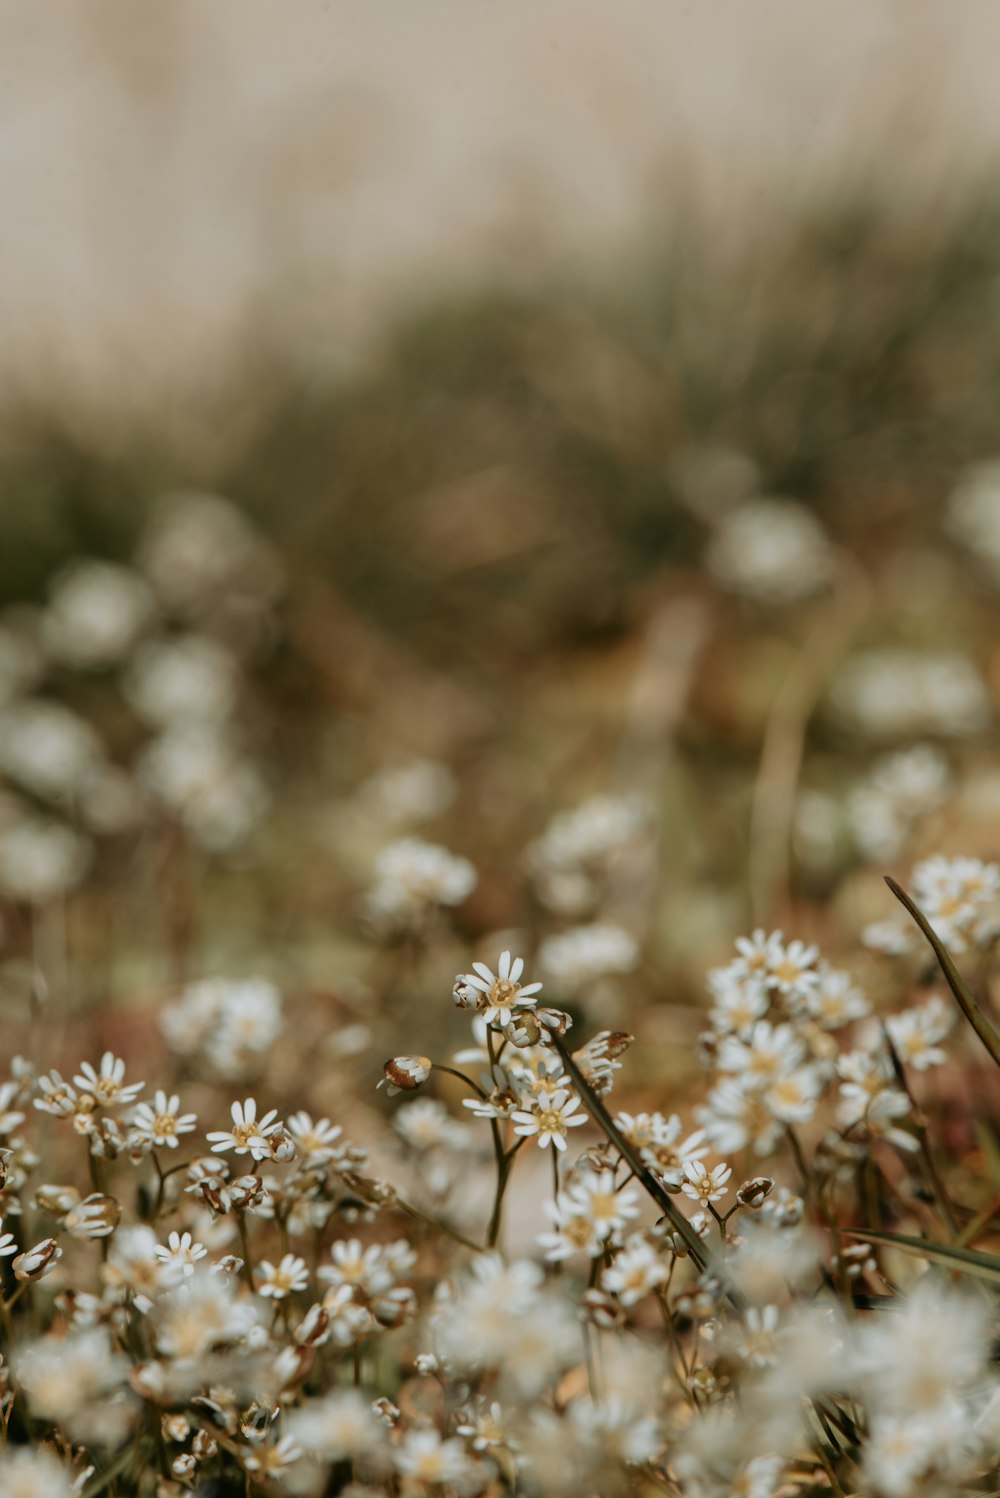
(964, 1260)
(966, 1002)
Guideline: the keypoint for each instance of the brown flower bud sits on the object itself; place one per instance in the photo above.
(246, 1192)
(753, 1193)
(96, 1216)
(56, 1199)
(35, 1263)
(406, 1073)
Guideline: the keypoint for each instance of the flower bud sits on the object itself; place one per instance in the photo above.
(753, 1193)
(35, 1263)
(96, 1216)
(56, 1199)
(246, 1193)
(406, 1073)
(385, 1412)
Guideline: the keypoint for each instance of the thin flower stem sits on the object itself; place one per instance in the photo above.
(440, 1227)
(452, 1072)
(241, 1218)
(555, 1172)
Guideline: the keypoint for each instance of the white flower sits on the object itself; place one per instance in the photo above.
(915, 1033)
(184, 679)
(281, 1280)
(792, 1097)
(770, 1052)
(95, 612)
(771, 550)
(179, 1255)
(198, 775)
(47, 749)
(338, 1427)
(273, 1458)
(659, 1141)
(8, 1244)
(608, 1206)
(740, 999)
(41, 860)
(249, 1135)
(202, 555)
(28, 1473)
(108, 1085)
(499, 994)
(548, 1116)
(426, 1458)
(587, 953)
(895, 692)
(703, 1185)
(636, 1269)
(199, 1314)
(413, 876)
(318, 1142)
(836, 1001)
(161, 1122)
(426, 1124)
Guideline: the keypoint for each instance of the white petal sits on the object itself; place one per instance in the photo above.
(517, 968)
(503, 966)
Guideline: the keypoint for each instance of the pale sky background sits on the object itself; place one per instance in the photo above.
(173, 172)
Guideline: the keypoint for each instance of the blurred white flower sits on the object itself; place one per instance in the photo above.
(895, 692)
(411, 878)
(216, 793)
(47, 749)
(41, 860)
(771, 550)
(184, 679)
(95, 613)
(585, 954)
(973, 514)
(200, 549)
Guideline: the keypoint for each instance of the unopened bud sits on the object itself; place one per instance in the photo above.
(282, 1146)
(524, 1029)
(96, 1216)
(314, 1328)
(555, 1021)
(246, 1192)
(753, 1193)
(56, 1199)
(385, 1412)
(406, 1073)
(35, 1263)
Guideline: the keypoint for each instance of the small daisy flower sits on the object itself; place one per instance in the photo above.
(161, 1121)
(278, 1281)
(57, 1097)
(636, 1270)
(704, 1185)
(550, 1116)
(315, 1140)
(595, 1194)
(498, 994)
(273, 1459)
(916, 1032)
(180, 1254)
(108, 1085)
(249, 1134)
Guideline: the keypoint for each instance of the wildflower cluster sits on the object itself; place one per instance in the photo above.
(630, 1302)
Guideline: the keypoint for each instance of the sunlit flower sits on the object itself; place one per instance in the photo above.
(499, 994)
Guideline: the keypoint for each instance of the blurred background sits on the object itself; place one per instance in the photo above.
(421, 420)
